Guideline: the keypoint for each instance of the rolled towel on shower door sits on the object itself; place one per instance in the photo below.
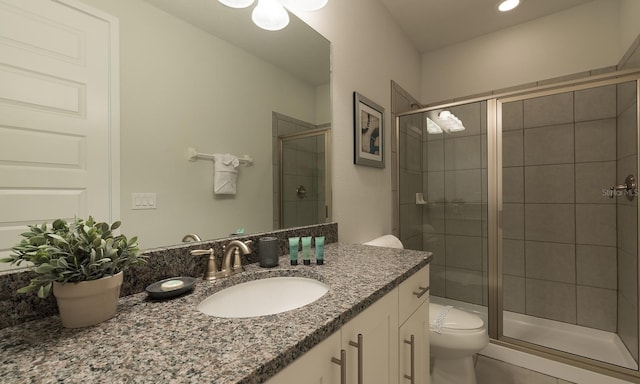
(225, 174)
(388, 241)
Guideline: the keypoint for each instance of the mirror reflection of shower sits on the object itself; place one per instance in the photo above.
(301, 169)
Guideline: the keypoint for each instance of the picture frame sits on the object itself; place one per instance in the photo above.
(368, 131)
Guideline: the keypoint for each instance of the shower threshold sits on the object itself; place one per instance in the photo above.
(582, 341)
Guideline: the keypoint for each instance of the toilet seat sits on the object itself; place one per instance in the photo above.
(446, 319)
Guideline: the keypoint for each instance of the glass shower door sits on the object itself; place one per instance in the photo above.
(568, 240)
(443, 198)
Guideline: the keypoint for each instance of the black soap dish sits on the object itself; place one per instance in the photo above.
(171, 287)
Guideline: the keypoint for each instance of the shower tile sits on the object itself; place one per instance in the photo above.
(410, 184)
(513, 221)
(627, 224)
(413, 153)
(512, 116)
(627, 133)
(595, 103)
(549, 184)
(512, 149)
(548, 110)
(411, 225)
(628, 325)
(549, 145)
(437, 280)
(551, 300)
(513, 257)
(433, 218)
(462, 153)
(550, 222)
(289, 215)
(627, 275)
(626, 96)
(513, 185)
(435, 155)
(463, 219)
(464, 285)
(592, 179)
(513, 293)
(596, 140)
(464, 252)
(289, 164)
(435, 243)
(436, 187)
(463, 186)
(550, 261)
(597, 266)
(597, 308)
(596, 224)
(306, 213)
(483, 151)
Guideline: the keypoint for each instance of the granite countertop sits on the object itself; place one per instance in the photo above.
(169, 341)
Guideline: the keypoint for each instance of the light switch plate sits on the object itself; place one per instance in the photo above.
(143, 201)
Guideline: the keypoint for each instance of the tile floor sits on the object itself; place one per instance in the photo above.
(491, 371)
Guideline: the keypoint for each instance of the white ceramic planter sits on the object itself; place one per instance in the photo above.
(88, 302)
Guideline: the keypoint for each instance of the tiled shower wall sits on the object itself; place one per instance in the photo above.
(627, 223)
(560, 244)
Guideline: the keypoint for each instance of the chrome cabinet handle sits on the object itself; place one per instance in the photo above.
(358, 345)
(412, 376)
(342, 362)
(421, 292)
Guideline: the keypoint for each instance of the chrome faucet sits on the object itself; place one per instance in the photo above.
(232, 250)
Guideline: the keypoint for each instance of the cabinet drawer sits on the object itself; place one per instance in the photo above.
(409, 300)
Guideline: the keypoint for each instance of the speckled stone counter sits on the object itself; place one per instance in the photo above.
(171, 342)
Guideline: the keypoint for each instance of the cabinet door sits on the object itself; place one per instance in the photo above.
(378, 326)
(314, 367)
(417, 326)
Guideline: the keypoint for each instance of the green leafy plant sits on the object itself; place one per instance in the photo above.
(73, 252)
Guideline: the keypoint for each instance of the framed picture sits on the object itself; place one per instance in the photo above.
(368, 122)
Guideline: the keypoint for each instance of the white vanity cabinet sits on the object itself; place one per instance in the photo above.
(373, 342)
(315, 366)
(370, 340)
(414, 329)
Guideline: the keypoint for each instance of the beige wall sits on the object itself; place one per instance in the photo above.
(629, 25)
(576, 40)
(368, 51)
(181, 87)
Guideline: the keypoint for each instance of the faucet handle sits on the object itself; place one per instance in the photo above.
(212, 267)
(197, 252)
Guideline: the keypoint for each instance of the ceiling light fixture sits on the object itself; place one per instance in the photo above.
(271, 15)
(237, 3)
(507, 5)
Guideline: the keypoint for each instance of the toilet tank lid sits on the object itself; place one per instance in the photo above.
(447, 317)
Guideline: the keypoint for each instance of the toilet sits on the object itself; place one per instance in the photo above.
(454, 336)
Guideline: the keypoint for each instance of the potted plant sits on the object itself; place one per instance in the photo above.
(83, 262)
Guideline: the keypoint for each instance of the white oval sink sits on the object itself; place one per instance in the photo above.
(263, 297)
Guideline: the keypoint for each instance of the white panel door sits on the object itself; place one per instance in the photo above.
(58, 119)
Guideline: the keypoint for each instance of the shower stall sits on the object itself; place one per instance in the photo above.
(528, 201)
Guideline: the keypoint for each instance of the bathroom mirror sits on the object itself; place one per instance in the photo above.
(198, 74)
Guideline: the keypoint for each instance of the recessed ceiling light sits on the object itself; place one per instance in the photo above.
(507, 5)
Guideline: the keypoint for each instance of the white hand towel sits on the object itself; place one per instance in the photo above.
(225, 174)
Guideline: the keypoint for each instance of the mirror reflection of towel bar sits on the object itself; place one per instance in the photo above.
(193, 155)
